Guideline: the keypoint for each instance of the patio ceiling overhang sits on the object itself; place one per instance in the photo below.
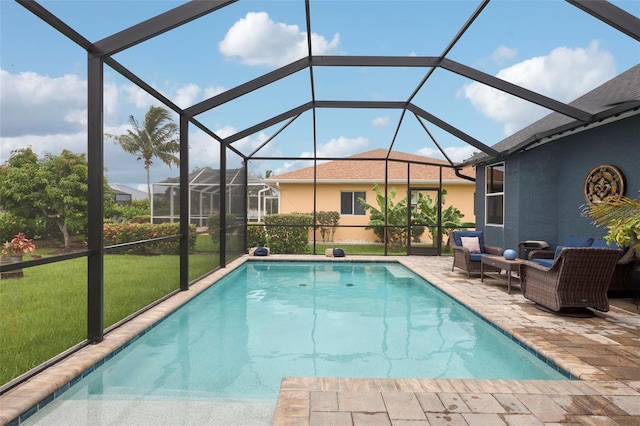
(105, 48)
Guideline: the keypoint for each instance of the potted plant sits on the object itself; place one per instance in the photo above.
(621, 217)
(13, 251)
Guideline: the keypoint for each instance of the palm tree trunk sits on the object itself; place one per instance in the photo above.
(148, 181)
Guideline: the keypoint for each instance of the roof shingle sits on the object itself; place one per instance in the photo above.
(364, 167)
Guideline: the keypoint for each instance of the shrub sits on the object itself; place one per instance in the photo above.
(10, 225)
(213, 224)
(256, 235)
(288, 233)
(130, 232)
(129, 212)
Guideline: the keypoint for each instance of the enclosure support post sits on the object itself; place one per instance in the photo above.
(223, 205)
(245, 205)
(185, 193)
(95, 200)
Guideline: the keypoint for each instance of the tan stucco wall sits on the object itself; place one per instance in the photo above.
(299, 198)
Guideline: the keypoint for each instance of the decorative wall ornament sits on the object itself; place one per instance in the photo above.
(603, 183)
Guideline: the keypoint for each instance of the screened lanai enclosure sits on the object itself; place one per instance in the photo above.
(259, 90)
(256, 197)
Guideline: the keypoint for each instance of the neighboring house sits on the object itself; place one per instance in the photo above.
(341, 182)
(536, 191)
(126, 194)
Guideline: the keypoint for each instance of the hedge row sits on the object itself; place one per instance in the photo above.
(288, 233)
(127, 233)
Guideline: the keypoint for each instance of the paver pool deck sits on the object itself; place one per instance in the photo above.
(602, 352)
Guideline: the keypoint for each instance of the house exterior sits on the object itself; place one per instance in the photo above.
(539, 187)
(341, 182)
(125, 194)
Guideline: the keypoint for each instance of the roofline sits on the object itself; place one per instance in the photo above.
(572, 128)
(368, 181)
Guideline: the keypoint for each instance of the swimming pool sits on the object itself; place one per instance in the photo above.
(234, 342)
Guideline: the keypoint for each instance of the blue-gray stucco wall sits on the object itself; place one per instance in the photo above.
(544, 186)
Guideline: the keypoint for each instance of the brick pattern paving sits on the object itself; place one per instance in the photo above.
(603, 352)
(331, 401)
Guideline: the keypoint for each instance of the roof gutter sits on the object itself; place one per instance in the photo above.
(460, 175)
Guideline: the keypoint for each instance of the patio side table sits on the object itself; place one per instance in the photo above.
(500, 262)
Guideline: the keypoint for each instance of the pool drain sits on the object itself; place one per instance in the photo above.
(302, 285)
(349, 285)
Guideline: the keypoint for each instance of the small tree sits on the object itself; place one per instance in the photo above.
(327, 222)
(54, 187)
(155, 137)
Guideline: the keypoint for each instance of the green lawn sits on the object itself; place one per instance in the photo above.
(44, 313)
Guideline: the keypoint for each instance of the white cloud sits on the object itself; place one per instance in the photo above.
(455, 153)
(340, 147)
(564, 74)
(138, 97)
(53, 143)
(186, 95)
(34, 104)
(380, 122)
(335, 148)
(503, 52)
(257, 40)
(212, 91)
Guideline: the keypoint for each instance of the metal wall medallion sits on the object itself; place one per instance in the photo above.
(603, 183)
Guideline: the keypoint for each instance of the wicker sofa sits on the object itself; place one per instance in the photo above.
(463, 257)
(578, 278)
(621, 281)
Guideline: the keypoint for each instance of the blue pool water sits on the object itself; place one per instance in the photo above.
(267, 320)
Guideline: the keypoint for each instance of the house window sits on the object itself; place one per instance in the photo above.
(349, 203)
(495, 194)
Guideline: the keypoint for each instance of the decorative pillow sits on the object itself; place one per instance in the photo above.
(577, 241)
(472, 243)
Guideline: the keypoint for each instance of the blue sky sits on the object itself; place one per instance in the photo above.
(548, 46)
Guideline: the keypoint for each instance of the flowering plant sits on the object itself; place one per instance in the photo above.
(18, 246)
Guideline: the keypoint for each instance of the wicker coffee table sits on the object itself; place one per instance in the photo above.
(500, 262)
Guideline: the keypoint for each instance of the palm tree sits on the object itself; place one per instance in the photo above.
(156, 137)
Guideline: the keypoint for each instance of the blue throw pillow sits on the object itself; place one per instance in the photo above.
(338, 252)
(575, 241)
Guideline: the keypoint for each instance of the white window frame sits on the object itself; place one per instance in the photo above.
(491, 193)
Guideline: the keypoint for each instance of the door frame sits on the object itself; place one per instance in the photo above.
(436, 249)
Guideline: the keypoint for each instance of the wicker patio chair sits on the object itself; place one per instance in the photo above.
(464, 259)
(577, 279)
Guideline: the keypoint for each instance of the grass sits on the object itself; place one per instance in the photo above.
(45, 313)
